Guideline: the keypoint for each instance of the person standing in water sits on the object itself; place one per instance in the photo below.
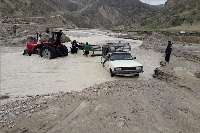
(87, 49)
(168, 52)
(74, 48)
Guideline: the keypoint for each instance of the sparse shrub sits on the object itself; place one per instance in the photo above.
(65, 39)
(177, 20)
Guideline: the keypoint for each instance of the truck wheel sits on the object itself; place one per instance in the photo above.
(48, 52)
(111, 73)
(137, 75)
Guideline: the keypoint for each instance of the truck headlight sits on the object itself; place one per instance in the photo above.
(118, 69)
(138, 68)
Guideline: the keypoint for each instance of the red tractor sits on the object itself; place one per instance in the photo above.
(49, 49)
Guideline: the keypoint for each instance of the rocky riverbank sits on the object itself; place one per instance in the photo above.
(184, 65)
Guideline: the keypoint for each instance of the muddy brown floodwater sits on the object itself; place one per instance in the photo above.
(24, 75)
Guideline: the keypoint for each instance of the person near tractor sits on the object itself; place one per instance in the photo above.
(39, 38)
(47, 34)
(87, 49)
(47, 30)
(74, 44)
(74, 47)
(59, 37)
(168, 52)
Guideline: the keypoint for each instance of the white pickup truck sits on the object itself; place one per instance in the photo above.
(121, 63)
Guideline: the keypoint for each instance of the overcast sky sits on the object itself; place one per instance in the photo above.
(154, 2)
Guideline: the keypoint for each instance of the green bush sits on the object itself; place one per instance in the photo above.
(65, 39)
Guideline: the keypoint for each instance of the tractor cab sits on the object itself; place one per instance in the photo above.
(55, 38)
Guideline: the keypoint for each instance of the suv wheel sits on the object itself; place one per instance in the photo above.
(137, 75)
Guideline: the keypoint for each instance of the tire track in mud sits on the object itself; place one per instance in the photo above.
(70, 117)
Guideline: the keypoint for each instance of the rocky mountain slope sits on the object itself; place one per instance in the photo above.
(187, 10)
(176, 13)
(84, 13)
(107, 13)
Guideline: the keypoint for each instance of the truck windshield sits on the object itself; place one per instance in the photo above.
(121, 56)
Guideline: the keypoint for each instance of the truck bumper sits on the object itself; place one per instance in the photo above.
(128, 72)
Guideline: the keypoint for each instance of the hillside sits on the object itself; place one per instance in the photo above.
(187, 11)
(83, 13)
(19, 8)
(132, 14)
(176, 13)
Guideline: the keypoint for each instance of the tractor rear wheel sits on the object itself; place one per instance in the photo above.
(48, 52)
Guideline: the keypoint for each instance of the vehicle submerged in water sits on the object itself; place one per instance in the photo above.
(50, 48)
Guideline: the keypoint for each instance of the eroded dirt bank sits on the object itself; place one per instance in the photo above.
(184, 66)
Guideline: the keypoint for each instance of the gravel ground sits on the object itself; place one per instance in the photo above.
(118, 106)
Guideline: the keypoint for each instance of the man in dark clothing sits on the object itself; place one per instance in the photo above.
(74, 48)
(47, 31)
(106, 59)
(59, 37)
(106, 51)
(74, 44)
(14, 30)
(168, 52)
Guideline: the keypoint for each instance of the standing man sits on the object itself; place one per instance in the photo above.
(168, 52)
(39, 38)
(87, 49)
(74, 48)
(47, 34)
(59, 37)
(14, 30)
